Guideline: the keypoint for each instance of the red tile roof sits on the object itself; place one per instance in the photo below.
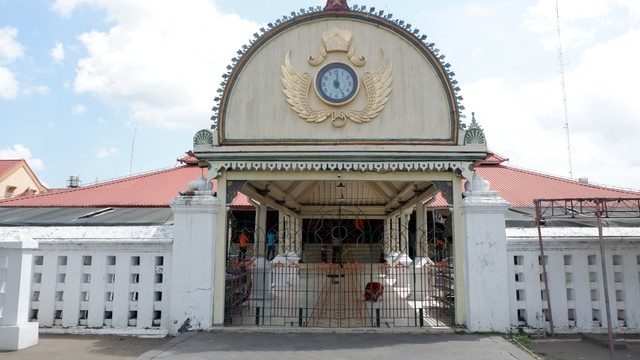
(492, 158)
(6, 165)
(520, 187)
(155, 189)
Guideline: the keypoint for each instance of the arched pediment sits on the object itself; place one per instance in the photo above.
(402, 93)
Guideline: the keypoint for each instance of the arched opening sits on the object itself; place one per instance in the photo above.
(340, 265)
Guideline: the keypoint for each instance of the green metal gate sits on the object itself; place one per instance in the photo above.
(339, 277)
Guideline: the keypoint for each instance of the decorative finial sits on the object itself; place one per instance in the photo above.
(336, 5)
(474, 124)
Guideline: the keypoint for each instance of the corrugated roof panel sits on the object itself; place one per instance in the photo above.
(85, 216)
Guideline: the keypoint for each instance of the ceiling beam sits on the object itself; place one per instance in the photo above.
(311, 186)
(373, 185)
(257, 194)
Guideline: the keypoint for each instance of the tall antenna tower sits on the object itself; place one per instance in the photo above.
(564, 90)
(133, 143)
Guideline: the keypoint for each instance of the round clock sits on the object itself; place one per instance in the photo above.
(336, 83)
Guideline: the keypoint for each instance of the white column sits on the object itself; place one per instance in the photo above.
(16, 256)
(259, 235)
(194, 250)
(458, 252)
(387, 237)
(297, 239)
(422, 230)
(261, 272)
(404, 238)
(282, 230)
(422, 263)
(486, 285)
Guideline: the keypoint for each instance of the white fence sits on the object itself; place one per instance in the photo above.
(574, 273)
(100, 277)
(115, 277)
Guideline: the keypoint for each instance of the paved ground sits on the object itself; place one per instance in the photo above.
(248, 343)
(335, 346)
(591, 347)
(85, 347)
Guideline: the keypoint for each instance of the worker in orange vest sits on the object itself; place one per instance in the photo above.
(244, 240)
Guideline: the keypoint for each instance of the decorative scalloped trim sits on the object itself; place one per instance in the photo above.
(422, 166)
(370, 12)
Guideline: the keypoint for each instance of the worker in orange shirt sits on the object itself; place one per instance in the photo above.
(243, 240)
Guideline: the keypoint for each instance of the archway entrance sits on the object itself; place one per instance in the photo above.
(347, 271)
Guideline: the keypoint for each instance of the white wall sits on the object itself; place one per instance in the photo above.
(574, 272)
(100, 277)
(125, 283)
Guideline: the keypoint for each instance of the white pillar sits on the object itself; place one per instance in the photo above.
(486, 285)
(387, 237)
(282, 230)
(422, 264)
(458, 252)
(16, 256)
(261, 272)
(192, 268)
(260, 231)
(297, 239)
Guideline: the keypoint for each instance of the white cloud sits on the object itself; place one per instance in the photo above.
(542, 17)
(65, 7)
(526, 122)
(580, 21)
(57, 53)
(161, 59)
(78, 109)
(102, 153)
(39, 89)
(20, 151)
(10, 49)
(9, 86)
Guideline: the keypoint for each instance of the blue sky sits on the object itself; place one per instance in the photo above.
(105, 88)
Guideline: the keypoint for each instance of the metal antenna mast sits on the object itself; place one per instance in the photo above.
(564, 90)
(133, 142)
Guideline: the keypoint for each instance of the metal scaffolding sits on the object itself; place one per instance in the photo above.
(585, 209)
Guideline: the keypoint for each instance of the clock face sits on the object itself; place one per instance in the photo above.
(336, 83)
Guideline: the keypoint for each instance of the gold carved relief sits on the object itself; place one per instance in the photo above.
(339, 91)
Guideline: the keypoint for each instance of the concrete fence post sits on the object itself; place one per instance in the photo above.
(486, 266)
(16, 256)
(192, 285)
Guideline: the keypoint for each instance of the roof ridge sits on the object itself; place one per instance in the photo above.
(122, 179)
(137, 175)
(568, 180)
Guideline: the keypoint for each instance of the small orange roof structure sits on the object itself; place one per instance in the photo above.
(17, 179)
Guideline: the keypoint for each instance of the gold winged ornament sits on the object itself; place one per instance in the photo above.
(296, 88)
(377, 85)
